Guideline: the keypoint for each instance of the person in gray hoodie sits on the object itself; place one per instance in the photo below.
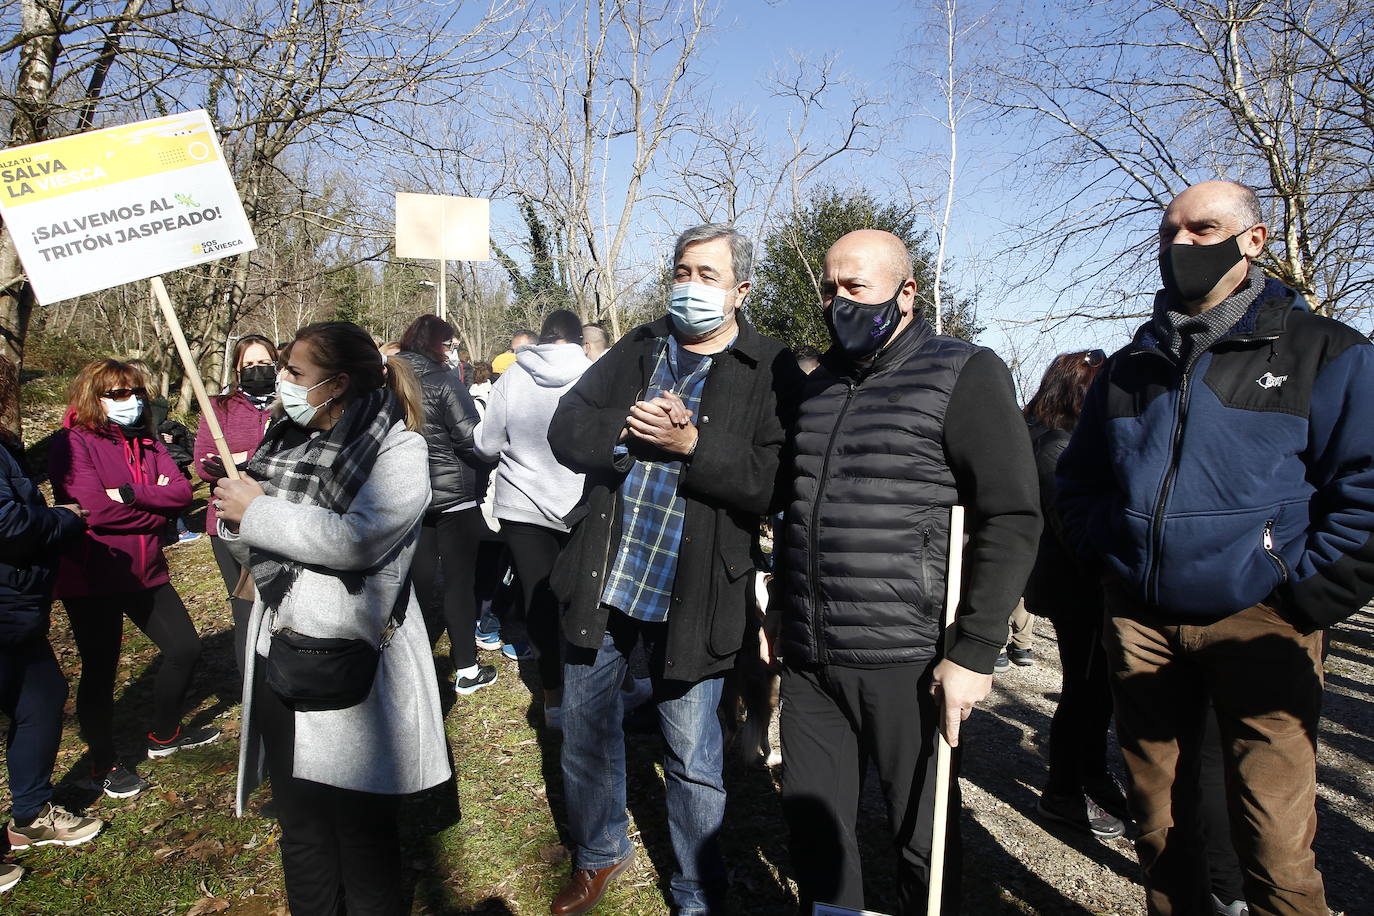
(533, 491)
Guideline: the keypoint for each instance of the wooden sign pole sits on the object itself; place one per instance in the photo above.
(193, 373)
(953, 587)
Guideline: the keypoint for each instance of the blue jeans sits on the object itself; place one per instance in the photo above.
(594, 764)
(32, 693)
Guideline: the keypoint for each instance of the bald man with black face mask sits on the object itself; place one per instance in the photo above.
(896, 425)
(1221, 476)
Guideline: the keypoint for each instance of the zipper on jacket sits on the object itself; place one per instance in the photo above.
(925, 564)
(1175, 447)
(813, 547)
(1268, 541)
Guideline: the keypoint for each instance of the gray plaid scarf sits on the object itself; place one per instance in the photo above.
(325, 470)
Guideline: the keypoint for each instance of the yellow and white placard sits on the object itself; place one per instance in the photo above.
(94, 210)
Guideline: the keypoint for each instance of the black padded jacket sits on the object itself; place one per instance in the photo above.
(456, 474)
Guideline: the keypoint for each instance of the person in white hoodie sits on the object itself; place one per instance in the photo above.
(533, 491)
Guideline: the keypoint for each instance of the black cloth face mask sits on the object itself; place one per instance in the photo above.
(860, 330)
(1190, 272)
(258, 380)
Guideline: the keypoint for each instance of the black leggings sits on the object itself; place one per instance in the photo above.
(230, 570)
(98, 627)
(534, 549)
(448, 542)
(1078, 732)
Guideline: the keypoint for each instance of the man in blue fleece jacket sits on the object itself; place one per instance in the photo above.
(1222, 472)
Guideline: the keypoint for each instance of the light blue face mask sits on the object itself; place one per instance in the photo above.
(294, 401)
(697, 309)
(125, 412)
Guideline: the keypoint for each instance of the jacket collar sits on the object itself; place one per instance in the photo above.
(747, 345)
(421, 363)
(896, 353)
(1265, 319)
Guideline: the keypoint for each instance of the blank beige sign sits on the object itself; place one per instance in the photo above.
(440, 227)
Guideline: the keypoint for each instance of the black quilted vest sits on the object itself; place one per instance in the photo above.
(864, 540)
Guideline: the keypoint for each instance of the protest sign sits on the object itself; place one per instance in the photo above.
(106, 207)
(443, 228)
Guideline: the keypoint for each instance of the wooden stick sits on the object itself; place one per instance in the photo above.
(953, 587)
(244, 588)
(193, 373)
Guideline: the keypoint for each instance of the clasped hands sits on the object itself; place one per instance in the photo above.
(664, 422)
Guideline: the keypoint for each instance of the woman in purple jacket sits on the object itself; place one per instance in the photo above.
(108, 460)
(243, 413)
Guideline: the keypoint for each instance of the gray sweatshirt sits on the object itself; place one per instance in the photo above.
(531, 486)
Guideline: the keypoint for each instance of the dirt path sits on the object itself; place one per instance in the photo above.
(1044, 869)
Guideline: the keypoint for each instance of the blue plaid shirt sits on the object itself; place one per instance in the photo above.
(640, 583)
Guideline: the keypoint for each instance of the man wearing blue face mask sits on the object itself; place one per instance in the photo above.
(678, 429)
(896, 425)
(1222, 475)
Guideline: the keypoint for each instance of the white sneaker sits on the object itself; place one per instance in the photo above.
(9, 876)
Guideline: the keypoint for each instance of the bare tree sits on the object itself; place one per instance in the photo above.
(588, 113)
(50, 32)
(955, 91)
(1164, 93)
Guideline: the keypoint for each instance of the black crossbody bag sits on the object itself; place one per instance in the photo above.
(313, 673)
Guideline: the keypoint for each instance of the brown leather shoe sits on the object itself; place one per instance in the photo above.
(586, 886)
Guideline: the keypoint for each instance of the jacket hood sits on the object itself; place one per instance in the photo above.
(553, 365)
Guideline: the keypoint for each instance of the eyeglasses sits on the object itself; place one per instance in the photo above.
(119, 394)
(1094, 358)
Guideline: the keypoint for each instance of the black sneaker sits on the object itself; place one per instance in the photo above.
(486, 674)
(1002, 663)
(183, 738)
(1082, 812)
(121, 782)
(1021, 657)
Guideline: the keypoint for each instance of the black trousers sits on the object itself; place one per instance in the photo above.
(1078, 732)
(1212, 820)
(448, 543)
(534, 549)
(833, 721)
(340, 849)
(32, 693)
(98, 627)
(229, 570)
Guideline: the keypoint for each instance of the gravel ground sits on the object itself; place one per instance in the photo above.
(1016, 864)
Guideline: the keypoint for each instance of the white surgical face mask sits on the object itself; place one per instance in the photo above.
(697, 309)
(126, 412)
(295, 403)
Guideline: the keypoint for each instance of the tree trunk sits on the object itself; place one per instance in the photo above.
(28, 125)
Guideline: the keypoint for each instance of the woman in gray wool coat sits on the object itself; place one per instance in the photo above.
(330, 515)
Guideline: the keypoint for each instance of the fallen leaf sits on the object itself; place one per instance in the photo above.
(208, 905)
(205, 849)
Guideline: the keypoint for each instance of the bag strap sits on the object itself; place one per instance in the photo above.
(398, 613)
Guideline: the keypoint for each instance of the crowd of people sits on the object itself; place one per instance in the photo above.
(1189, 513)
